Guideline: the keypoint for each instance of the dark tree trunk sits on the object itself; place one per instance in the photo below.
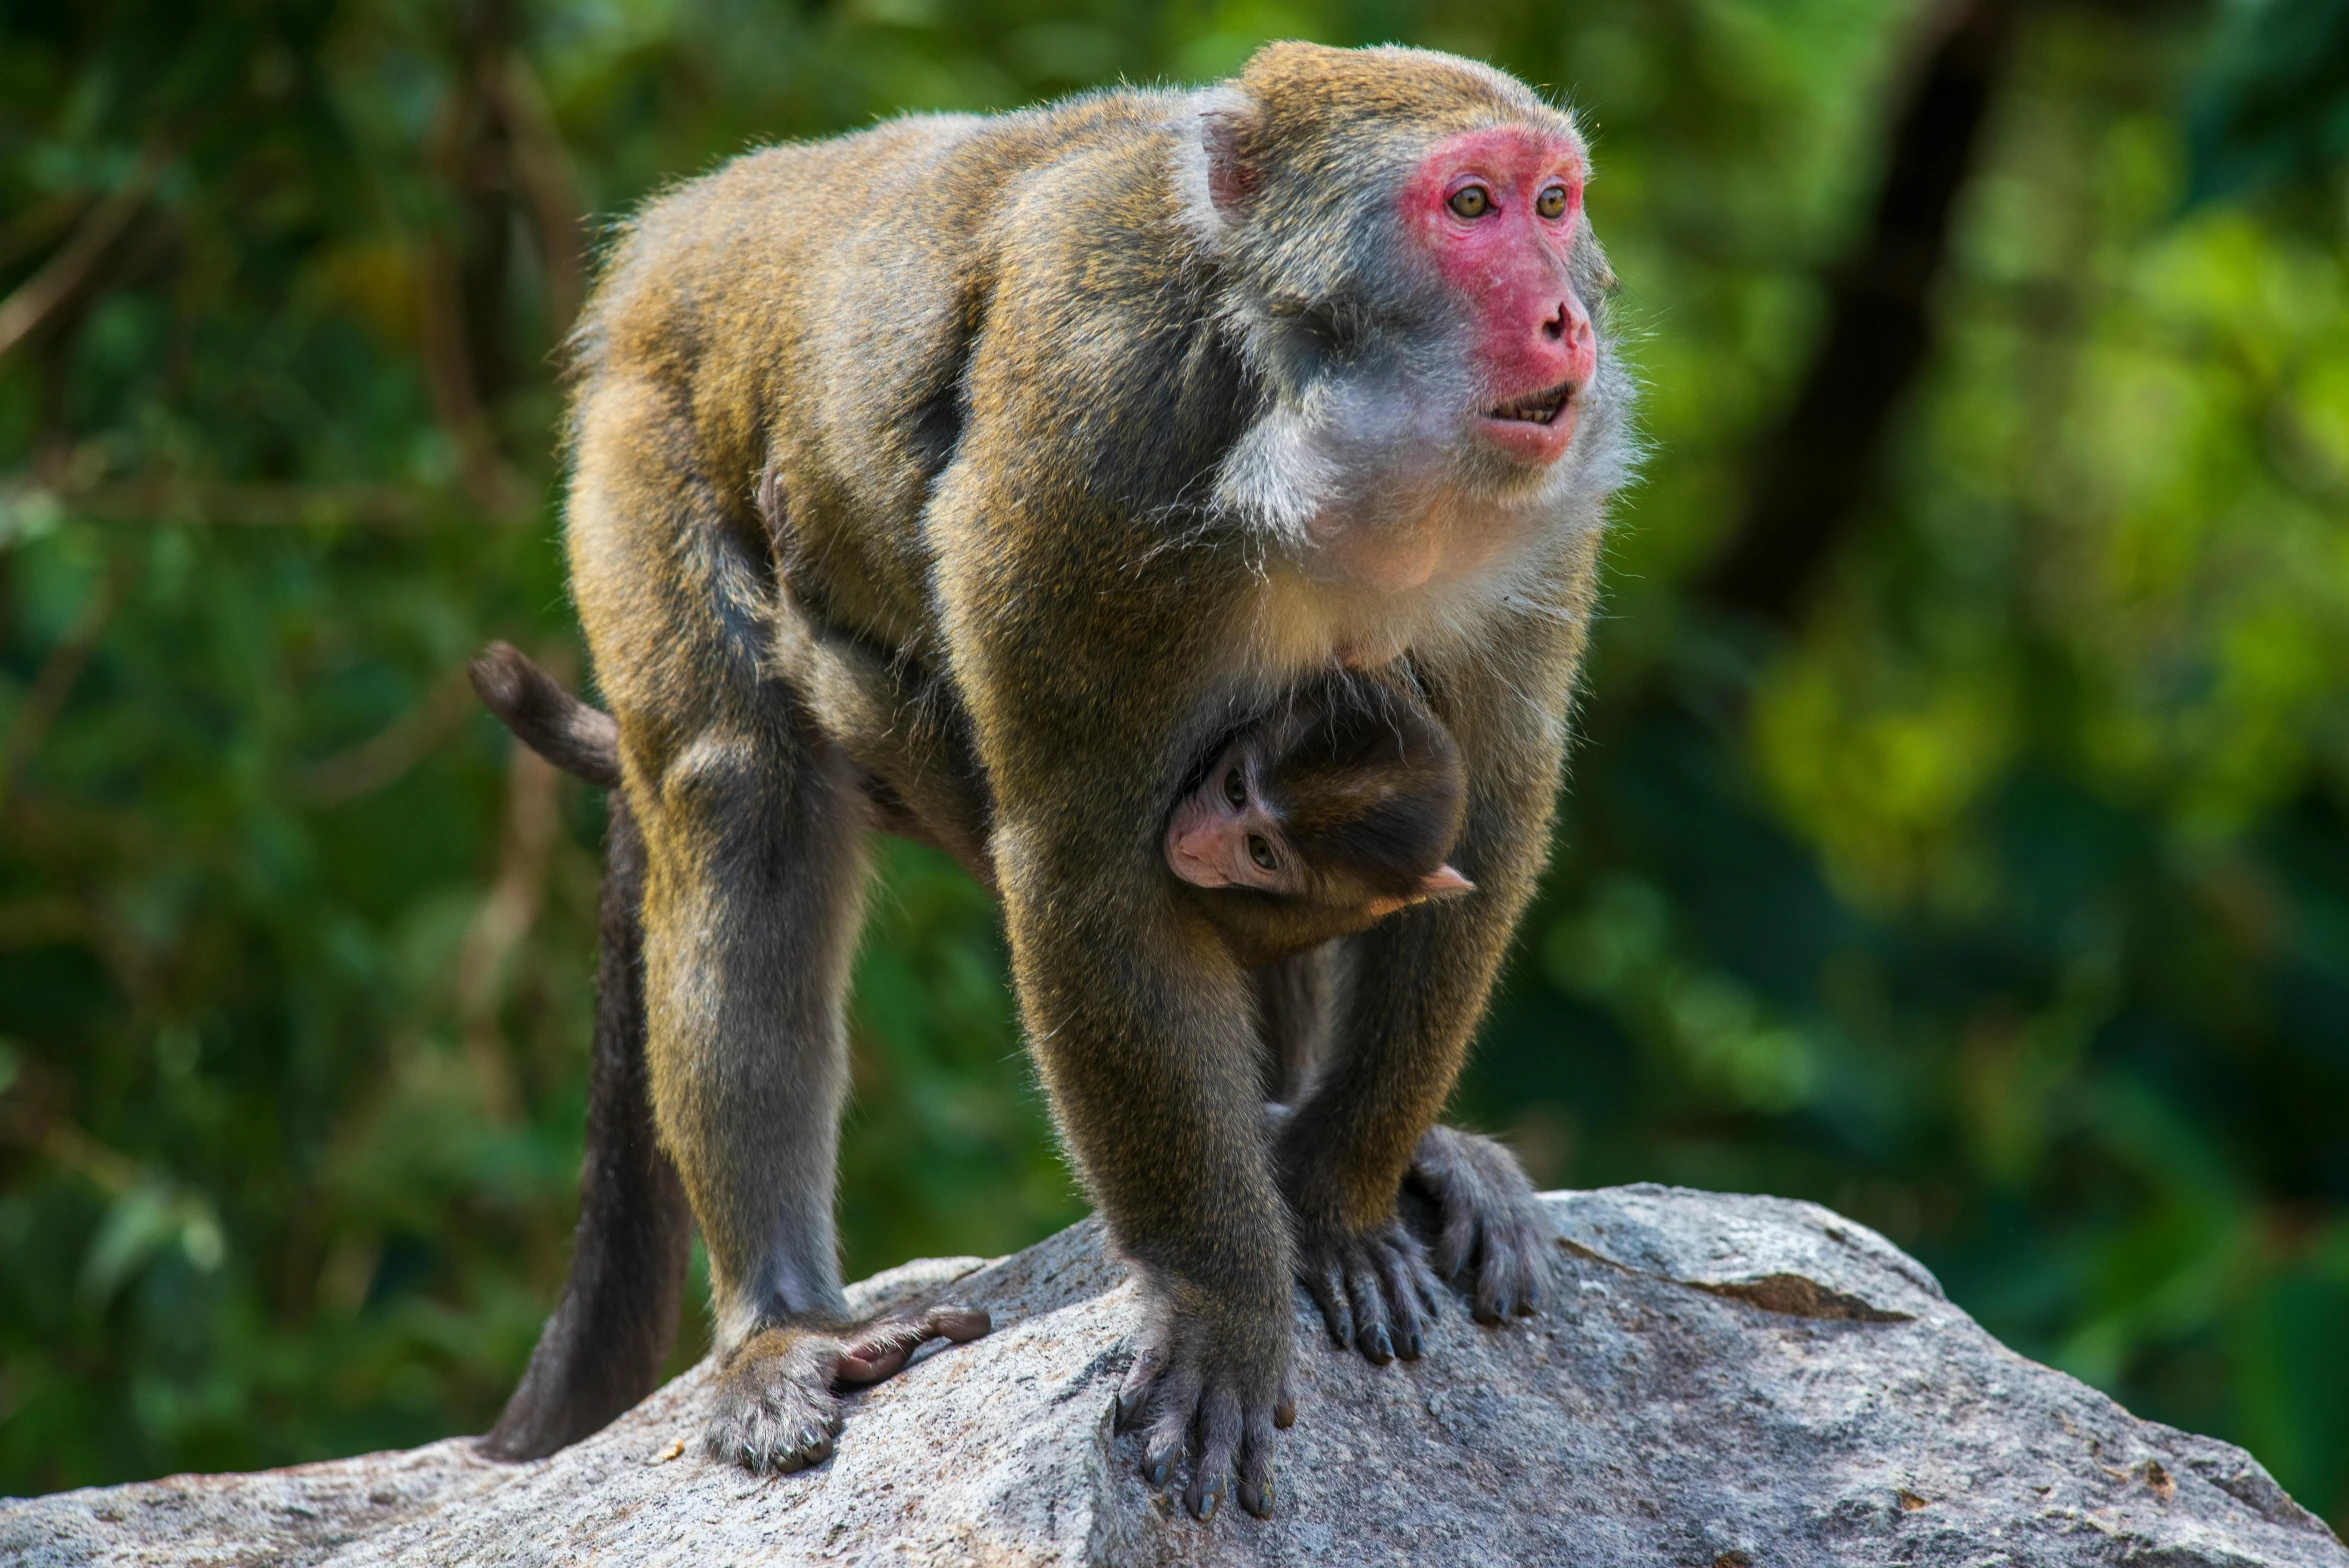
(1821, 462)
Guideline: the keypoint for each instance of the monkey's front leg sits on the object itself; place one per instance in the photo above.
(1144, 1031)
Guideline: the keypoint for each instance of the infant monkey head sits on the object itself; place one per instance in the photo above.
(1322, 818)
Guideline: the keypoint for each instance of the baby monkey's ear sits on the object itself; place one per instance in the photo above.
(1445, 881)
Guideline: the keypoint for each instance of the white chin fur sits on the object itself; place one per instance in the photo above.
(1356, 457)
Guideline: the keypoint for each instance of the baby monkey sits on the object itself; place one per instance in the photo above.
(1312, 822)
(1321, 818)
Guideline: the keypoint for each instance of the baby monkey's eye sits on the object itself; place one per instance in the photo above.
(1551, 203)
(1235, 789)
(1260, 851)
(1471, 201)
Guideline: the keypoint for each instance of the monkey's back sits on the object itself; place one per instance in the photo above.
(816, 306)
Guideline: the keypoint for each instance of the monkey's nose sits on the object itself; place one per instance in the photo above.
(1570, 326)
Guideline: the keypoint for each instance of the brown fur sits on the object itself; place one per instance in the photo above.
(602, 1348)
(998, 368)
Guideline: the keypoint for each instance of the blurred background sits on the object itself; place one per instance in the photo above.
(1959, 835)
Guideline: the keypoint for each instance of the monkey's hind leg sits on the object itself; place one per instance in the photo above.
(602, 1349)
(754, 888)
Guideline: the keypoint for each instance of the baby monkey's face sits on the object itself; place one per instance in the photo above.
(1225, 833)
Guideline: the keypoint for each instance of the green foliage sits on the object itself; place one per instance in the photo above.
(2005, 905)
(2272, 109)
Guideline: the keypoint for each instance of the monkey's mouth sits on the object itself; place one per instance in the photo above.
(1535, 408)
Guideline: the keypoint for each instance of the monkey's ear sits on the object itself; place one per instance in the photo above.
(1215, 166)
(1444, 881)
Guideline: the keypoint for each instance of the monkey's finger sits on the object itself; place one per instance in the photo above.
(1368, 1295)
(1401, 1268)
(1133, 1395)
(1537, 1276)
(1219, 1444)
(877, 1351)
(1423, 1278)
(1508, 1284)
(1493, 1295)
(1170, 1423)
(1328, 1290)
(1462, 1213)
(1456, 1243)
(1256, 1452)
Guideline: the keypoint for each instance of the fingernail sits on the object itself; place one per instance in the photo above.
(1417, 1344)
(1380, 1345)
(1154, 1471)
(1210, 1496)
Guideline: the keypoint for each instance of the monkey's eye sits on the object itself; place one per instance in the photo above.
(1551, 203)
(1235, 789)
(1260, 851)
(1471, 201)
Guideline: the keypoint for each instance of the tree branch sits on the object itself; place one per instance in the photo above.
(61, 277)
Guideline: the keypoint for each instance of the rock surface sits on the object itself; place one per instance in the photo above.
(1723, 1381)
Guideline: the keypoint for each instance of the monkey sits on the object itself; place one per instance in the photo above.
(1321, 819)
(1357, 791)
(1122, 417)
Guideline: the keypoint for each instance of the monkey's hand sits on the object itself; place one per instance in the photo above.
(1487, 1221)
(1225, 1398)
(775, 1407)
(1373, 1286)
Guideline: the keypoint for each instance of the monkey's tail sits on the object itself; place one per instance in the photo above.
(602, 1349)
(543, 716)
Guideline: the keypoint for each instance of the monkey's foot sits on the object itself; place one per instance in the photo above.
(774, 1408)
(1373, 1286)
(1183, 1391)
(1488, 1222)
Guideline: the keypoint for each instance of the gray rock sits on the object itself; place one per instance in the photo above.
(1719, 1381)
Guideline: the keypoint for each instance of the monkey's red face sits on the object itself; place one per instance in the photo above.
(1224, 835)
(1498, 211)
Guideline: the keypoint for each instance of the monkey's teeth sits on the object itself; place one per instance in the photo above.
(1540, 408)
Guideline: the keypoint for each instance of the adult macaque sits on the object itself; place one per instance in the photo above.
(1126, 416)
(1355, 787)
